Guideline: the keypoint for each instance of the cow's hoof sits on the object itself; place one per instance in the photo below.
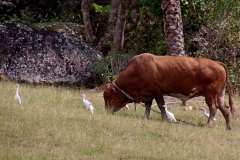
(229, 128)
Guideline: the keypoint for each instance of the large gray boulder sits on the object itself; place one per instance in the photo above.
(45, 57)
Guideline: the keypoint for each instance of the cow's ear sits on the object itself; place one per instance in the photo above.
(113, 89)
(109, 86)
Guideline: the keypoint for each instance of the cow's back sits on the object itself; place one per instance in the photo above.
(172, 74)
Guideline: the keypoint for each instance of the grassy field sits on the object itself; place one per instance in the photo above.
(53, 123)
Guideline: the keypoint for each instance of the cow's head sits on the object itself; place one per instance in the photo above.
(114, 99)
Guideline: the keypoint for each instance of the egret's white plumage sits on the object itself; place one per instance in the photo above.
(17, 97)
(206, 114)
(85, 102)
(170, 115)
(91, 108)
(127, 107)
(88, 104)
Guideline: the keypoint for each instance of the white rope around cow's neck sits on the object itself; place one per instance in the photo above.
(131, 98)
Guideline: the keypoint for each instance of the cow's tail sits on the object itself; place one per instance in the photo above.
(231, 104)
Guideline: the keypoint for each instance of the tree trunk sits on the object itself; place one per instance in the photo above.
(85, 7)
(173, 28)
(120, 25)
(108, 36)
(117, 23)
(134, 19)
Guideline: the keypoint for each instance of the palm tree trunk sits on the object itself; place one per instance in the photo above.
(173, 28)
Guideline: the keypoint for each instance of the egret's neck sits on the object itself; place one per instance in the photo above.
(17, 90)
(204, 111)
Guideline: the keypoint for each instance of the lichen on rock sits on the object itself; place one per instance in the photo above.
(45, 57)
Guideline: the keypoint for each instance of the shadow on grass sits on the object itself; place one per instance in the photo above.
(179, 121)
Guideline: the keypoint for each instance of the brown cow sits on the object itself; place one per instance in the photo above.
(147, 77)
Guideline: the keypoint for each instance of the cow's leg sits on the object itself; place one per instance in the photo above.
(212, 108)
(183, 103)
(161, 103)
(148, 108)
(226, 115)
(223, 107)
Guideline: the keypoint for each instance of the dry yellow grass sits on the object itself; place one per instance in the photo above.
(54, 124)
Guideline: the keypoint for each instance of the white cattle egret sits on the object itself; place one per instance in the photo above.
(17, 97)
(206, 114)
(170, 115)
(91, 108)
(88, 104)
(127, 107)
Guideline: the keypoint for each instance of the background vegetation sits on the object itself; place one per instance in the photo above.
(211, 29)
(54, 124)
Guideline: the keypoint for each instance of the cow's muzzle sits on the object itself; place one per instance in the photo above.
(111, 110)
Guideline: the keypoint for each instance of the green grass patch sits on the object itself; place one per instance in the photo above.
(53, 123)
